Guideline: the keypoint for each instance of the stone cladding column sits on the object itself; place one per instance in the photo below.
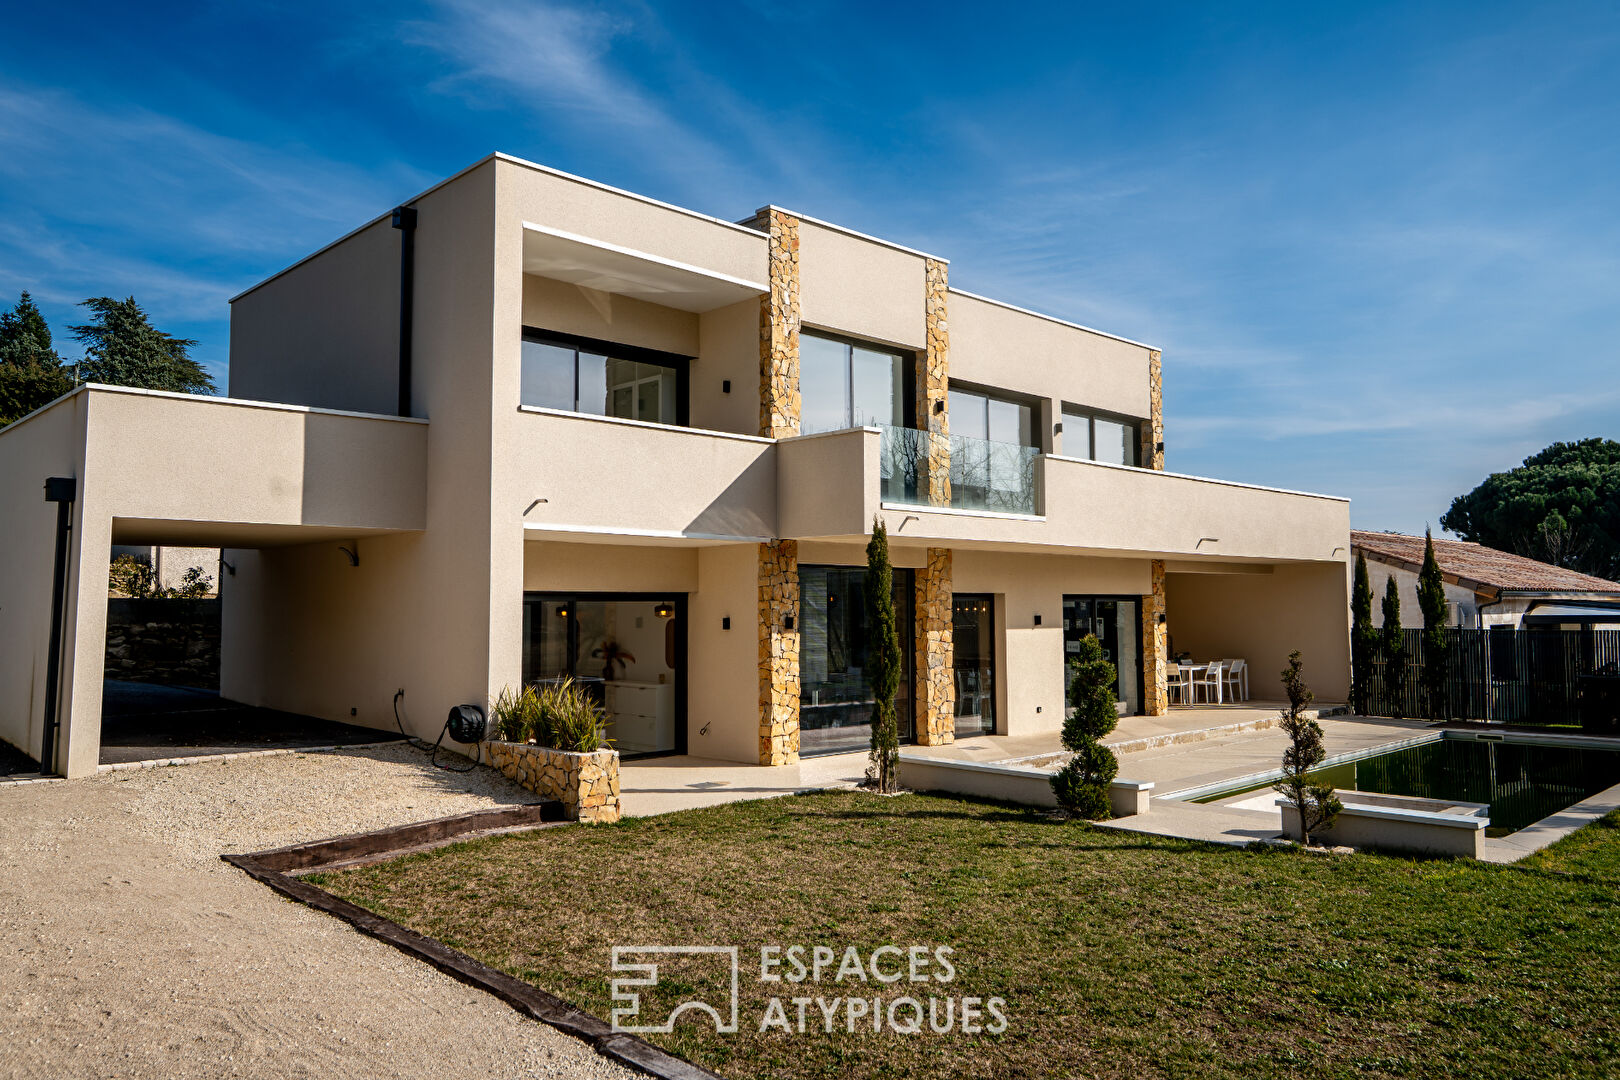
(936, 676)
(779, 652)
(779, 332)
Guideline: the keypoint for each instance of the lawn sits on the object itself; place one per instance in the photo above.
(1117, 954)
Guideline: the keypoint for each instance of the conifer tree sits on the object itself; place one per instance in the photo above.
(31, 374)
(1436, 641)
(1363, 638)
(1081, 786)
(1394, 642)
(883, 660)
(123, 348)
(1318, 806)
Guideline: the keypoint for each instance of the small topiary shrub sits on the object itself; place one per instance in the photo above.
(1081, 786)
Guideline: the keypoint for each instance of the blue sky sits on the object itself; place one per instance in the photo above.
(1378, 243)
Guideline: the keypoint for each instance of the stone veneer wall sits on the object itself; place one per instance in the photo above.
(779, 652)
(586, 784)
(779, 331)
(936, 676)
(1153, 431)
(1155, 648)
(933, 382)
(1155, 635)
(164, 641)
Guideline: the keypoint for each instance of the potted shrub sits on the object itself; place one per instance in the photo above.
(550, 739)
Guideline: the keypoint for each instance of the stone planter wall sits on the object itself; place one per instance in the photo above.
(586, 784)
(175, 642)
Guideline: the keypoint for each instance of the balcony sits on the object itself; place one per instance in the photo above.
(919, 468)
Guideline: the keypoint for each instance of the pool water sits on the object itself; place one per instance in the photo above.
(1522, 782)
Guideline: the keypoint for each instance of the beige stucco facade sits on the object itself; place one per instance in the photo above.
(477, 498)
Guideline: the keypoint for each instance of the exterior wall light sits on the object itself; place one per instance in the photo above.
(725, 623)
(725, 386)
(1037, 620)
(787, 622)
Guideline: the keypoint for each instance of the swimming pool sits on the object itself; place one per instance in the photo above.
(1522, 779)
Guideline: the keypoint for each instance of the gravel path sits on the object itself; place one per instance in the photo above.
(128, 949)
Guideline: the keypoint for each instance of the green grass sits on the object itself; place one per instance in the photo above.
(1118, 954)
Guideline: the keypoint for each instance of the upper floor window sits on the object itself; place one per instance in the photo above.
(844, 385)
(980, 416)
(1100, 437)
(561, 371)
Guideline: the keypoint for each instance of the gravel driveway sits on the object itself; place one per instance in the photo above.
(128, 949)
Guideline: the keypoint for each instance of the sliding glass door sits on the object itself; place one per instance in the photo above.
(973, 636)
(835, 658)
(629, 653)
(1116, 622)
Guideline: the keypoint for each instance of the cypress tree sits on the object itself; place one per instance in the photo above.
(1363, 639)
(1432, 599)
(883, 659)
(1394, 642)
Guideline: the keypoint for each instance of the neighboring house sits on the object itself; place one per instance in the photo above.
(1486, 587)
(169, 564)
(530, 426)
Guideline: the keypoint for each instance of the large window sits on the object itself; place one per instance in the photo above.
(993, 453)
(844, 385)
(835, 682)
(627, 651)
(1116, 623)
(1100, 437)
(603, 379)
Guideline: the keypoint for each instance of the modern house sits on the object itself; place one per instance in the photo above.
(528, 426)
(1486, 587)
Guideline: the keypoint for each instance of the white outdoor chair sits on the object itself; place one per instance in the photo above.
(1210, 683)
(1180, 685)
(1237, 680)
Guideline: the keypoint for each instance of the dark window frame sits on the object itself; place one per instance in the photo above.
(550, 596)
(1141, 662)
(1009, 397)
(1069, 412)
(615, 350)
(909, 359)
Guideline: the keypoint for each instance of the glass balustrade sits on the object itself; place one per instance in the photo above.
(918, 468)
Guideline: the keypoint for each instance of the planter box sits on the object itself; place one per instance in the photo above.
(1010, 783)
(586, 784)
(1399, 823)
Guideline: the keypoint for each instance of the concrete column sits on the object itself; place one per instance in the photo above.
(1153, 431)
(935, 694)
(1155, 648)
(779, 652)
(933, 382)
(779, 332)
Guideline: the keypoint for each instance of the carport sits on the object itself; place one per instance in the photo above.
(312, 490)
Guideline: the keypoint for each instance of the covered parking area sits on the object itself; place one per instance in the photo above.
(105, 466)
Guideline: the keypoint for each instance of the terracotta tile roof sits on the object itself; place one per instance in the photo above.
(1478, 565)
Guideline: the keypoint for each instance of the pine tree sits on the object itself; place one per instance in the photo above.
(1081, 786)
(1394, 642)
(31, 374)
(1318, 806)
(883, 659)
(1363, 638)
(123, 348)
(1436, 641)
(24, 337)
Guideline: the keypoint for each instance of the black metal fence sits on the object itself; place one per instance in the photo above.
(1513, 676)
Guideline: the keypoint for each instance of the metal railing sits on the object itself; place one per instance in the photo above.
(960, 472)
(1515, 676)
